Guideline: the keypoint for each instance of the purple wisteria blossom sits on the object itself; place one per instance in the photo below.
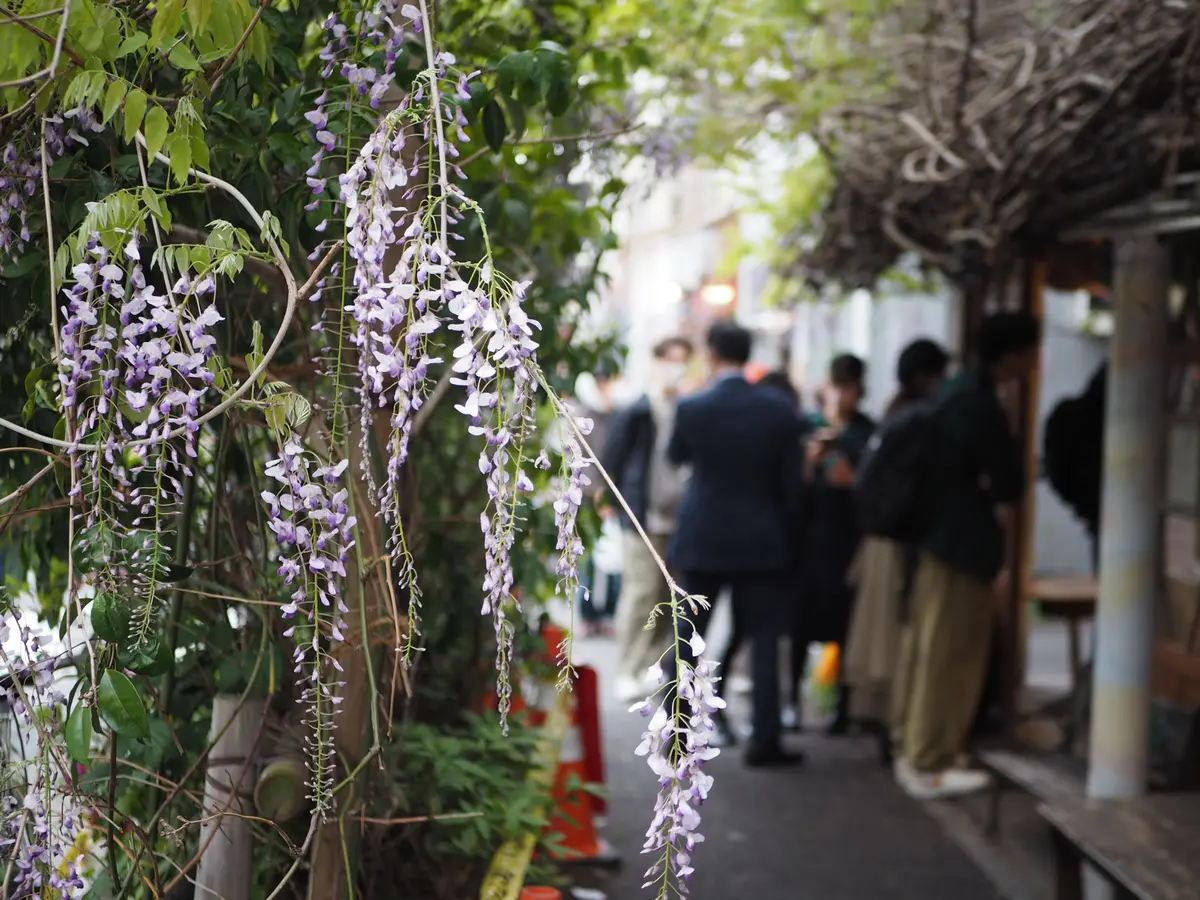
(21, 174)
(676, 747)
(310, 518)
(135, 371)
(39, 820)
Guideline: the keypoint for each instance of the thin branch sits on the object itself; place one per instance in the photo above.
(229, 60)
(58, 49)
(413, 820)
(289, 312)
(27, 486)
(551, 139)
(57, 43)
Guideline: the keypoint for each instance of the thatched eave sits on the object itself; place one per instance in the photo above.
(1008, 135)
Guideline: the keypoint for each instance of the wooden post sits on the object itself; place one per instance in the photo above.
(1134, 436)
(224, 870)
(1033, 300)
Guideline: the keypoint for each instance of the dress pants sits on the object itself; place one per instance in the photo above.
(759, 606)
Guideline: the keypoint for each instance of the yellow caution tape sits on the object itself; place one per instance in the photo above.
(506, 874)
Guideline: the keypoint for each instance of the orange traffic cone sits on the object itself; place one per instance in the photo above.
(553, 636)
(572, 816)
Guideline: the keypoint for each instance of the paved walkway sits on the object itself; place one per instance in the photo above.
(838, 829)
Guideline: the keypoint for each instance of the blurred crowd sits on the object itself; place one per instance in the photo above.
(818, 526)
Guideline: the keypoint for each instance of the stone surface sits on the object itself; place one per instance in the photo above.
(837, 829)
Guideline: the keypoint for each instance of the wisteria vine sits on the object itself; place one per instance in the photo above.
(137, 374)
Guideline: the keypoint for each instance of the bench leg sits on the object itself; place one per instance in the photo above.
(991, 828)
(1068, 869)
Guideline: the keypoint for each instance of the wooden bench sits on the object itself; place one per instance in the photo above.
(1072, 600)
(1047, 776)
(1148, 847)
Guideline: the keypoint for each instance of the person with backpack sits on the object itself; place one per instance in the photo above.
(1073, 453)
(838, 437)
(975, 467)
(883, 569)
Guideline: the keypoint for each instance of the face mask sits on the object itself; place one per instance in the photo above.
(671, 375)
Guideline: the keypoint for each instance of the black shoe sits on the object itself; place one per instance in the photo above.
(772, 756)
(887, 756)
(839, 727)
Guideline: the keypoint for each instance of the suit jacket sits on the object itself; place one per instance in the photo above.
(737, 514)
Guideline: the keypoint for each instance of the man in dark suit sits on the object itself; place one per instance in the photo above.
(734, 524)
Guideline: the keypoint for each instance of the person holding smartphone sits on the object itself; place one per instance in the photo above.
(839, 437)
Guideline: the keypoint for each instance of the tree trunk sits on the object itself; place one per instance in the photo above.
(225, 868)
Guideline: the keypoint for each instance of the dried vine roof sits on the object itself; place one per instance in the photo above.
(1007, 126)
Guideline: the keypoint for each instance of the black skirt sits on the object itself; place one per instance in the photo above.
(825, 600)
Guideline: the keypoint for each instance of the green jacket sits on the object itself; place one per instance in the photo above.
(979, 466)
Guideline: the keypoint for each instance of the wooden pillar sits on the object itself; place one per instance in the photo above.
(1024, 536)
(1134, 437)
(225, 869)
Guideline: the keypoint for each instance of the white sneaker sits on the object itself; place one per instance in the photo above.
(630, 690)
(789, 718)
(902, 772)
(941, 785)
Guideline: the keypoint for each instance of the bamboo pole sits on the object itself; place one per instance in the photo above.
(225, 869)
(1134, 438)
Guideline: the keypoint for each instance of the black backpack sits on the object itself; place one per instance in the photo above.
(1073, 450)
(1061, 426)
(893, 483)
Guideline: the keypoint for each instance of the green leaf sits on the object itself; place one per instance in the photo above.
(519, 217)
(153, 203)
(516, 117)
(95, 544)
(112, 99)
(558, 97)
(276, 414)
(135, 109)
(151, 658)
(515, 69)
(111, 616)
(121, 705)
(97, 82)
(199, 12)
(133, 43)
(166, 22)
(173, 573)
(156, 130)
(182, 58)
(79, 734)
(179, 149)
(199, 152)
(495, 126)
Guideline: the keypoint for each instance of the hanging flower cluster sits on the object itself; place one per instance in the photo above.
(310, 518)
(403, 270)
(676, 748)
(135, 370)
(39, 827)
(21, 175)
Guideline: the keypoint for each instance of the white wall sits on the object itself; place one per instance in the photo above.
(875, 329)
(1069, 359)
